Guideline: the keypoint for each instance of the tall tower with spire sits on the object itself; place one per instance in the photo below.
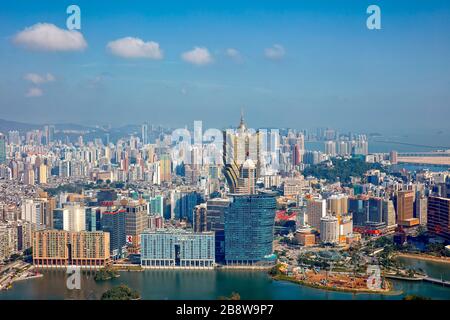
(241, 146)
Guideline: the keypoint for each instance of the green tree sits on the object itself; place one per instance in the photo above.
(121, 292)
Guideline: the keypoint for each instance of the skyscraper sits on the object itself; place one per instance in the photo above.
(215, 221)
(249, 223)
(439, 216)
(135, 222)
(113, 221)
(165, 168)
(316, 209)
(329, 229)
(405, 208)
(144, 133)
(239, 146)
(2, 148)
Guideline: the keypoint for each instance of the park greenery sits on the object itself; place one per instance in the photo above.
(121, 292)
(105, 274)
(342, 169)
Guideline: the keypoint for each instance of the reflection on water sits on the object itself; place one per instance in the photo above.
(184, 284)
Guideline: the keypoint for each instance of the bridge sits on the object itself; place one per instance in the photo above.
(442, 282)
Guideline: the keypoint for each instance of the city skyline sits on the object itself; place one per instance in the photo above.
(317, 62)
(225, 150)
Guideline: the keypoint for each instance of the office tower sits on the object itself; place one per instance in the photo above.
(113, 221)
(135, 223)
(438, 219)
(405, 208)
(337, 204)
(329, 229)
(330, 148)
(75, 220)
(144, 133)
(157, 205)
(58, 248)
(215, 221)
(315, 210)
(2, 149)
(248, 224)
(393, 157)
(93, 219)
(358, 208)
(165, 167)
(375, 210)
(169, 248)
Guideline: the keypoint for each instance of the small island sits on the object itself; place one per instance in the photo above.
(121, 292)
(106, 274)
(333, 281)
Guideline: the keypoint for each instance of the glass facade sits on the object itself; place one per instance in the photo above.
(177, 248)
(114, 223)
(249, 224)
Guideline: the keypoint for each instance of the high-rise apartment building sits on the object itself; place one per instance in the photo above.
(329, 229)
(316, 209)
(59, 248)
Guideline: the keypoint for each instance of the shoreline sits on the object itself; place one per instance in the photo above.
(390, 291)
(424, 257)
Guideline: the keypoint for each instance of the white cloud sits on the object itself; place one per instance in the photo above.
(48, 37)
(39, 79)
(34, 92)
(198, 56)
(275, 52)
(234, 54)
(130, 47)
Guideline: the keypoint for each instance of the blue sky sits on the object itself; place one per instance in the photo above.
(328, 69)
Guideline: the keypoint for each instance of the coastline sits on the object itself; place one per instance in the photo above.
(390, 291)
(426, 257)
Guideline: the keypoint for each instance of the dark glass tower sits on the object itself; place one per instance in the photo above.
(249, 223)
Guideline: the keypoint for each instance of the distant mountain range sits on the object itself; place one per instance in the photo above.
(8, 125)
